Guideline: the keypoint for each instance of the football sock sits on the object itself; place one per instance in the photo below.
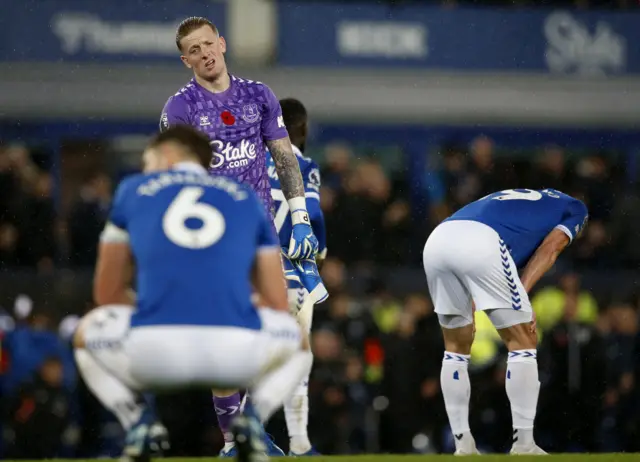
(227, 408)
(456, 390)
(275, 387)
(296, 413)
(522, 387)
(114, 395)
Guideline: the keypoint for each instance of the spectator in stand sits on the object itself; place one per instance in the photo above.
(594, 177)
(551, 171)
(593, 250)
(443, 183)
(328, 421)
(37, 242)
(334, 275)
(573, 357)
(39, 414)
(551, 303)
(411, 377)
(347, 319)
(87, 219)
(338, 158)
(623, 229)
(27, 213)
(620, 431)
(8, 246)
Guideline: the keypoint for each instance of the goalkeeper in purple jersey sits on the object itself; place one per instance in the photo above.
(243, 119)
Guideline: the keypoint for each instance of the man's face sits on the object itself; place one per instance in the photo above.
(203, 52)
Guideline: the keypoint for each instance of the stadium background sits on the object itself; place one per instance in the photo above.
(418, 107)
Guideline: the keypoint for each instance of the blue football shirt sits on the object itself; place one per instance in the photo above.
(194, 238)
(282, 217)
(524, 217)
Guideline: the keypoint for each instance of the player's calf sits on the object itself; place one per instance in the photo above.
(228, 405)
(522, 383)
(458, 333)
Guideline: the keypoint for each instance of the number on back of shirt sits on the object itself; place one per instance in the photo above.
(282, 208)
(185, 206)
(518, 194)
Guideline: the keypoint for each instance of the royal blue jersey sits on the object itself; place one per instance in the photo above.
(194, 238)
(282, 218)
(524, 217)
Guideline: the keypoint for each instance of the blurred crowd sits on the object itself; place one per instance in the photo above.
(369, 203)
(35, 234)
(375, 383)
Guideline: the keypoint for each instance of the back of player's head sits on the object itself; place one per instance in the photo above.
(294, 113)
(185, 142)
(189, 25)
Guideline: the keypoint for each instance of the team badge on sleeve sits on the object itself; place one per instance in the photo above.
(164, 122)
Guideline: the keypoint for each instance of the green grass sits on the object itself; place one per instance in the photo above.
(436, 458)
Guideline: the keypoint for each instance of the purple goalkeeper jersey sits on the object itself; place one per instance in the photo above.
(238, 121)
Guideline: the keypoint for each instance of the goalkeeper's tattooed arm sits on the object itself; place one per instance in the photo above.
(287, 167)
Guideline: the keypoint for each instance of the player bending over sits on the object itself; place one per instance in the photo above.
(199, 243)
(474, 257)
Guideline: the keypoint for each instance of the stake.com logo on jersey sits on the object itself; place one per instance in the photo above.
(232, 156)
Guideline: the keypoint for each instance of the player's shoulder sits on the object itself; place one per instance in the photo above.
(564, 197)
(305, 163)
(565, 204)
(184, 95)
(259, 91)
(248, 83)
(131, 182)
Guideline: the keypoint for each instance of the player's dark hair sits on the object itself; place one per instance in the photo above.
(195, 143)
(189, 25)
(294, 116)
(294, 113)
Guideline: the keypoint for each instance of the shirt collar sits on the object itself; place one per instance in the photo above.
(189, 166)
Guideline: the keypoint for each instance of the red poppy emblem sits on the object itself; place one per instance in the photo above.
(227, 118)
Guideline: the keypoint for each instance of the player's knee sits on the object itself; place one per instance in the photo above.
(458, 340)
(78, 336)
(519, 337)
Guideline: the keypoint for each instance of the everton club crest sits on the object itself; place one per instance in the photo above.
(250, 113)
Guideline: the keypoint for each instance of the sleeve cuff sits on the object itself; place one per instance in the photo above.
(565, 230)
(297, 203)
(113, 234)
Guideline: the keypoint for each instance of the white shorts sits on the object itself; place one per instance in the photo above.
(467, 262)
(159, 357)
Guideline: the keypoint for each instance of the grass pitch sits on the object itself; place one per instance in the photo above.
(434, 458)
